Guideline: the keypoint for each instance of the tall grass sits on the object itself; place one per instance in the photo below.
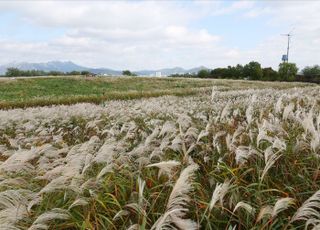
(237, 159)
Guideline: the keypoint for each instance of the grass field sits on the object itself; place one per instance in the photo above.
(242, 155)
(70, 90)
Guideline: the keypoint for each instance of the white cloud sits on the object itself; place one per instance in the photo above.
(242, 5)
(145, 34)
(115, 34)
(257, 11)
(304, 17)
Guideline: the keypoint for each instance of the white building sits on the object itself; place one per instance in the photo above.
(158, 74)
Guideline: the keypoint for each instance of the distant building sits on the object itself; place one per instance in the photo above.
(91, 75)
(158, 74)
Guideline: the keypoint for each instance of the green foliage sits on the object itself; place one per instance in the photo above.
(55, 73)
(234, 72)
(185, 75)
(74, 73)
(269, 74)
(15, 72)
(85, 72)
(310, 71)
(237, 72)
(203, 73)
(128, 73)
(12, 72)
(253, 71)
(218, 73)
(287, 71)
(70, 90)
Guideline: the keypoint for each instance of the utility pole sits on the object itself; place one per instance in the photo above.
(285, 58)
(288, 47)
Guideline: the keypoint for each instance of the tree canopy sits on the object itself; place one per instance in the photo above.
(252, 71)
(287, 71)
(128, 73)
(310, 71)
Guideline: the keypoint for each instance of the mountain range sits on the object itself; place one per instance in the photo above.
(68, 66)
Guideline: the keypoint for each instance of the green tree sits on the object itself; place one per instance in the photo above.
(287, 71)
(204, 73)
(238, 71)
(13, 72)
(217, 73)
(73, 73)
(84, 72)
(269, 74)
(128, 73)
(310, 71)
(229, 72)
(252, 71)
(55, 73)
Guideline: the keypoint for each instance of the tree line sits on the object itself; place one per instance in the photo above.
(254, 71)
(15, 72)
(250, 71)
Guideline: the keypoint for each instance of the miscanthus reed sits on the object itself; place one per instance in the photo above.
(237, 159)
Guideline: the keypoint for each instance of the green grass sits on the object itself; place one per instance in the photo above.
(19, 93)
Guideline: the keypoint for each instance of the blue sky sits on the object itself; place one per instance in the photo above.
(13, 27)
(143, 35)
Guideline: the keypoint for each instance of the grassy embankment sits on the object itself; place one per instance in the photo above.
(20, 93)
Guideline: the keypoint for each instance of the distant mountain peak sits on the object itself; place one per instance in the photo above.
(68, 66)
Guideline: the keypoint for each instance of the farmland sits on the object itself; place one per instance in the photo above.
(41, 91)
(209, 154)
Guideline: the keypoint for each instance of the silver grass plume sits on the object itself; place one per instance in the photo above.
(165, 167)
(106, 169)
(225, 111)
(168, 127)
(218, 194)
(214, 92)
(264, 211)
(44, 219)
(141, 185)
(13, 205)
(278, 105)
(270, 159)
(243, 153)
(287, 111)
(249, 114)
(177, 202)
(314, 222)
(202, 134)
(309, 209)
(281, 204)
(79, 202)
(245, 206)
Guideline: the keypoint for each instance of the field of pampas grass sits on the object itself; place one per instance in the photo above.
(236, 159)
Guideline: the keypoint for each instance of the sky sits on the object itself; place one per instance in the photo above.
(139, 35)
